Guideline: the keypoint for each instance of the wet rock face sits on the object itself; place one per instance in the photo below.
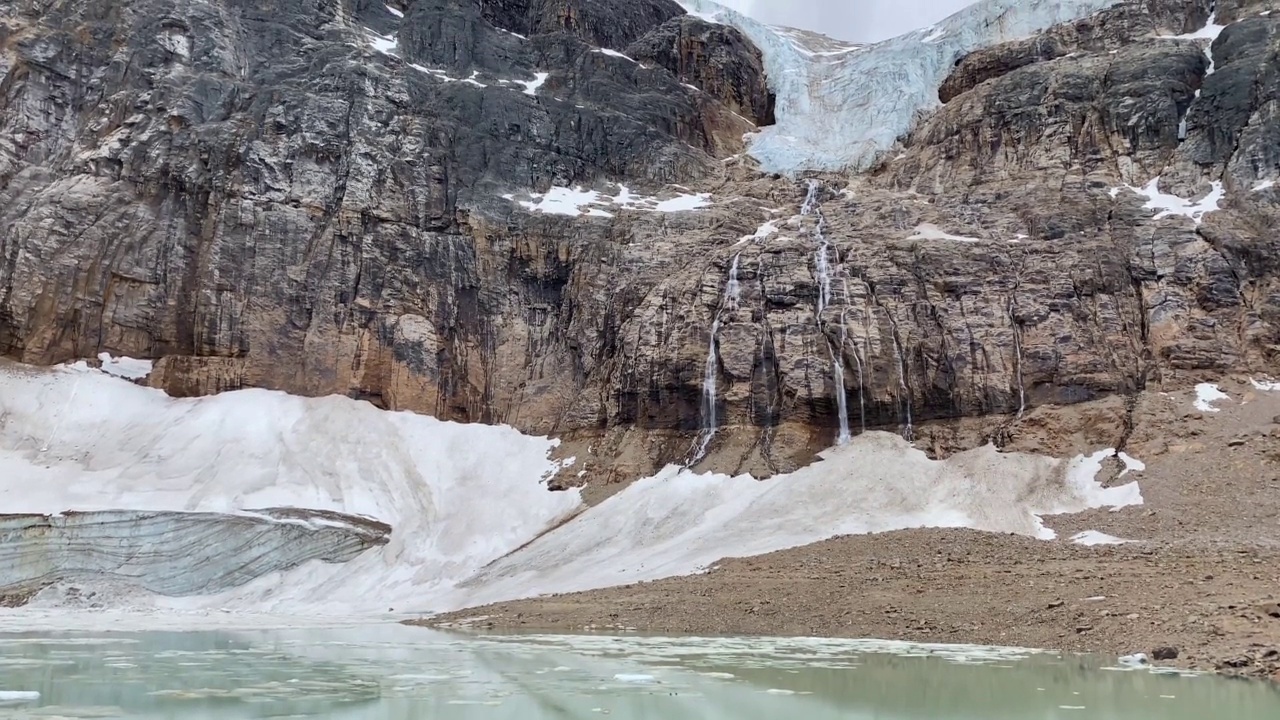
(260, 197)
(307, 196)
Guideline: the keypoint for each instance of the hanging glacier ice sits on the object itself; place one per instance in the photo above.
(840, 106)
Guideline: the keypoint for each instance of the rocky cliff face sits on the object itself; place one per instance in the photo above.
(349, 197)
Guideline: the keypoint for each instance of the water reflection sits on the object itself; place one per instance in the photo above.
(393, 672)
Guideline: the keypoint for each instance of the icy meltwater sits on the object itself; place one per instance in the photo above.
(399, 672)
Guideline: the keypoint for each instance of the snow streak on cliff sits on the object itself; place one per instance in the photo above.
(840, 106)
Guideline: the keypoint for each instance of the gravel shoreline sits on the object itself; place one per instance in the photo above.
(952, 587)
(1197, 585)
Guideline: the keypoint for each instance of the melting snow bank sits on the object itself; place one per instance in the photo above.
(839, 110)
(471, 520)
(74, 439)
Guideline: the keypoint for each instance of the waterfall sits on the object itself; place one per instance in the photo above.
(1017, 356)
(822, 264)
(857, 359)
(709, 421)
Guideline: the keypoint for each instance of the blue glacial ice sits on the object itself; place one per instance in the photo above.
(840, 105)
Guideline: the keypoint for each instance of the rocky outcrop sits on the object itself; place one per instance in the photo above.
(173, 553)
(318, 206)
(715, 58)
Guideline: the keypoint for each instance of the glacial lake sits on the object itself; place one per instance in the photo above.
(387, 672)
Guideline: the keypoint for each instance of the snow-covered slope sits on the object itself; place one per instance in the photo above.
(839, 108)
(471, 519)
(457, 496)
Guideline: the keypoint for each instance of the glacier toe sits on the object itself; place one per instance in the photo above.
(173, 553)
(840, 107)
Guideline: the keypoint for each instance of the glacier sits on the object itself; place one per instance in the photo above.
(97, 471)
(840, 106)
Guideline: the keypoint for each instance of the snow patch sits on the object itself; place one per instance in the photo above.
(578, 201)
(124, 367)
(385, 44)
(1168, 204)
(1206, 395)
(1263, 185)
(1131, 464)
(838, 109)
(679, 522)
(394, 11)
(764, 231)
(531, 86)
(929, 231)
(1093, 537)
(457, 496)
(615, 53)
(1268, 385)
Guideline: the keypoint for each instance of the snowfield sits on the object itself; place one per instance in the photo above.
(472, 520)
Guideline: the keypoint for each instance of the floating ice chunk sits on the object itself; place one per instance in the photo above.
(1206, 395)
(394, 11)
(838, 109)
(18, 697)
(1168, 204)
(125, 367)
(1134, 660)
(929, 231)
(635, 678)
(531, 86)
(1093, 537)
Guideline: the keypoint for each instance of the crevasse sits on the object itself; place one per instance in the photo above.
(839, 109)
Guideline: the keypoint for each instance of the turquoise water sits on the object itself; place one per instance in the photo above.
(395, 672)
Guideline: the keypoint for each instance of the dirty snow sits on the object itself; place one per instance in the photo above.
(1206, 395)
(472, 525)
